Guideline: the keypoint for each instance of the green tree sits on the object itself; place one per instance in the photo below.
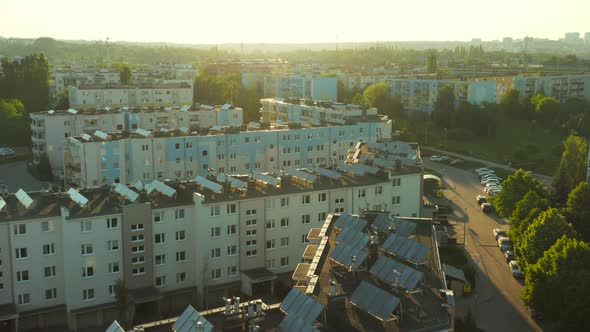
(14, 126)
(359, 99)
(125, 72)
(525, 212)
(432, 66)
(542, 234)
(444, 107)
(27, 80)
(510, 102)
(578, 210)
(378, 95)
(514, 188)
(63, 100)
(557, 285)
(572, 168)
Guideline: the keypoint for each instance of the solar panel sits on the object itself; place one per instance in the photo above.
(107, 108)
(2, 203)
(405, 248)
(395, 273)
(214, 187)
(305, 308)
(235, 183)
(86, 137)
(161, 187)
(115, 327)
(128, 193)
(184, 129)
(302, 175)
(164, 130)
(143, 132)
(366, 168)
(51, 112)
(404, 227)
(384, 222)
(383, 162)
(343, 254)
(138, 185)
(266, 178)
(101, 135)
(294, 323)
(77, 197)
(374, 300)
(254, 124)
(351, 169)
(189, 321)
(328, 173)
(226, 106)
(72, 111)
(348, 221)
(351, 236)
(217, 128)
(336, 120)
(24, 198)
(185, 108)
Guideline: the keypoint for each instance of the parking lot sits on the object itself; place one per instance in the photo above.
(15, 176)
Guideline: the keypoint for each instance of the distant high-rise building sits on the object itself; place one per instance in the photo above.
(507, 43)
(587, 37)
(572, 36)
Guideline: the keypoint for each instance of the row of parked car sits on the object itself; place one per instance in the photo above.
(507, 247)
(490, 180)
(446, 160)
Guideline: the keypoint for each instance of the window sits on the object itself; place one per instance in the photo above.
(270, 224)
(87, 249)
(159, 238)
(51, 294)
(160, 281)
(88, 271)
(231, 229)
(49, 249)
(88, 294)
(339, 210)
(137, 249)
(114, 267)
(285, 261)
(270, 244)
(49, 271)
(113, 245)
(24, 299)
(180, 235)
(22, 276)
(362, 192)
(232, 250)
(137, 238)
(111, 290)
(112, 223)
(251, 232)
(378, 190)
(250, 243)
(180, 256)
(204, 153)
(250, 253)
(305, 219)
(250, 222)
(396, 182)
(322, 197)
(395, 200)
(321, 216)
(86, 226)
(339, 201)
(270, 264)
(47, 226)
(305, 199)
(160, 259)
(136, 271)
(285, 222)
(284, 201)
(285, 241)
(215, 252)
(215, 210)
(215, 274)
(137, 260)
(232, 270)
(159, 216)
(179, 214)
(251, 212)
(304, 238)
(215, 231)
(177, 146)
(232, 208)
(137, 227)
(20, 229)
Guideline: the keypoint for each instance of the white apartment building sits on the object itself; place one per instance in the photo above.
(140, 95)
(306, 111)
(62, 78)
(50, 130)
(146, 155)
(172, 242)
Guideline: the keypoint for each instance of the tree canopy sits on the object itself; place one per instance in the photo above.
(526, 211)
(578, 210)
(125, 72)
(514, 188)
(14, 125)
(26, 80)
(443, 107)
(557, 284)
(572, 168)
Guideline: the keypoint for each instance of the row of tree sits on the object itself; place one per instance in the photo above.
(551, 236)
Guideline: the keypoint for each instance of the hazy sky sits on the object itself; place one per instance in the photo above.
(251, 21)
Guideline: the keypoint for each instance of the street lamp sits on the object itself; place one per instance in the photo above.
(465, 228)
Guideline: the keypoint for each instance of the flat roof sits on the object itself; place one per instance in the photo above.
(110, 86)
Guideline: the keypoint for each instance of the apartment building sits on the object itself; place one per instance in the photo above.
(50, 130)
(561, 87)
(309, 111)
(292, 86)
(62, 78)
(171, 242)
(92, 161)
(140, 95)
(421, 94)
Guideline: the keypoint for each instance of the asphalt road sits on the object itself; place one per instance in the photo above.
(496, 302)
(15, 176)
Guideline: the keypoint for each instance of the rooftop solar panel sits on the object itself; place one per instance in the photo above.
(164, 130)
(2, 203)
(328, 173)
(302, 175)
(226, 106)
(24, 198)
(101, 135)
(374, 300)
(296, 303)
(77, 197)
(395, 273)
(214, 187)
(346, 220)
(138, 185)
(351, 168)
(161, 187)
(344, 253)
(336, 120)
(184, 129)
(266, 178)
(188, 322)
(405, 248)
(143, 132)
(294, 323)
(235, 183)
(185, 108)
(86, 137)
(115, 327)
(72, 111)
(128, 193)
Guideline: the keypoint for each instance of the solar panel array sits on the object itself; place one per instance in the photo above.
(327, 173)
(131, 195)
(336, 120)
(374, 300)
(77, 197)
(405, 248)
(24, 198)
(385, 269)
(101, 135)
(115, 327)
(139, 185)
(188, 320)
(86, 137)
(2, 203)
(216, 128)
(294, 323)
(350, 236)
(346, 220)
(302, 175)
(185, 108)
(266, 178)
(301, 310)
(344, 253)
(404, 227)
(383, 162)
(226, 106)
(143, 132)
(72, 111)
(214, 187)
(235, 183)
(161, 187)
(164, 130)
(184, 129)
(384, 222)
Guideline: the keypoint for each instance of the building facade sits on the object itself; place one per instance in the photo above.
(292, 86)
(141, 95)
(302, 111)
(560, 87)
(50, 130)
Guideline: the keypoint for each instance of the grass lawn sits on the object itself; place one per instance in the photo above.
(539, 151)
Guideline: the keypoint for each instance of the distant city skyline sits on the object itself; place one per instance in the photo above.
(304, 21)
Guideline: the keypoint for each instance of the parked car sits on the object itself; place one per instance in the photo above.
(435, 158)
(509, 256)
(480, 199)
(490, 181)
(499, 232)
(505, 244)
(444, 159)
(489, 176)
(482, 169)
(486, 207)
(516, 271)
(7, 152)
(456, 162)
(485, 172)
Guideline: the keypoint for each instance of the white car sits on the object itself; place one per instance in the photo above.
(7, 152)
(483, 169)
(490, 181)
(486, 175)
(435, 158)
